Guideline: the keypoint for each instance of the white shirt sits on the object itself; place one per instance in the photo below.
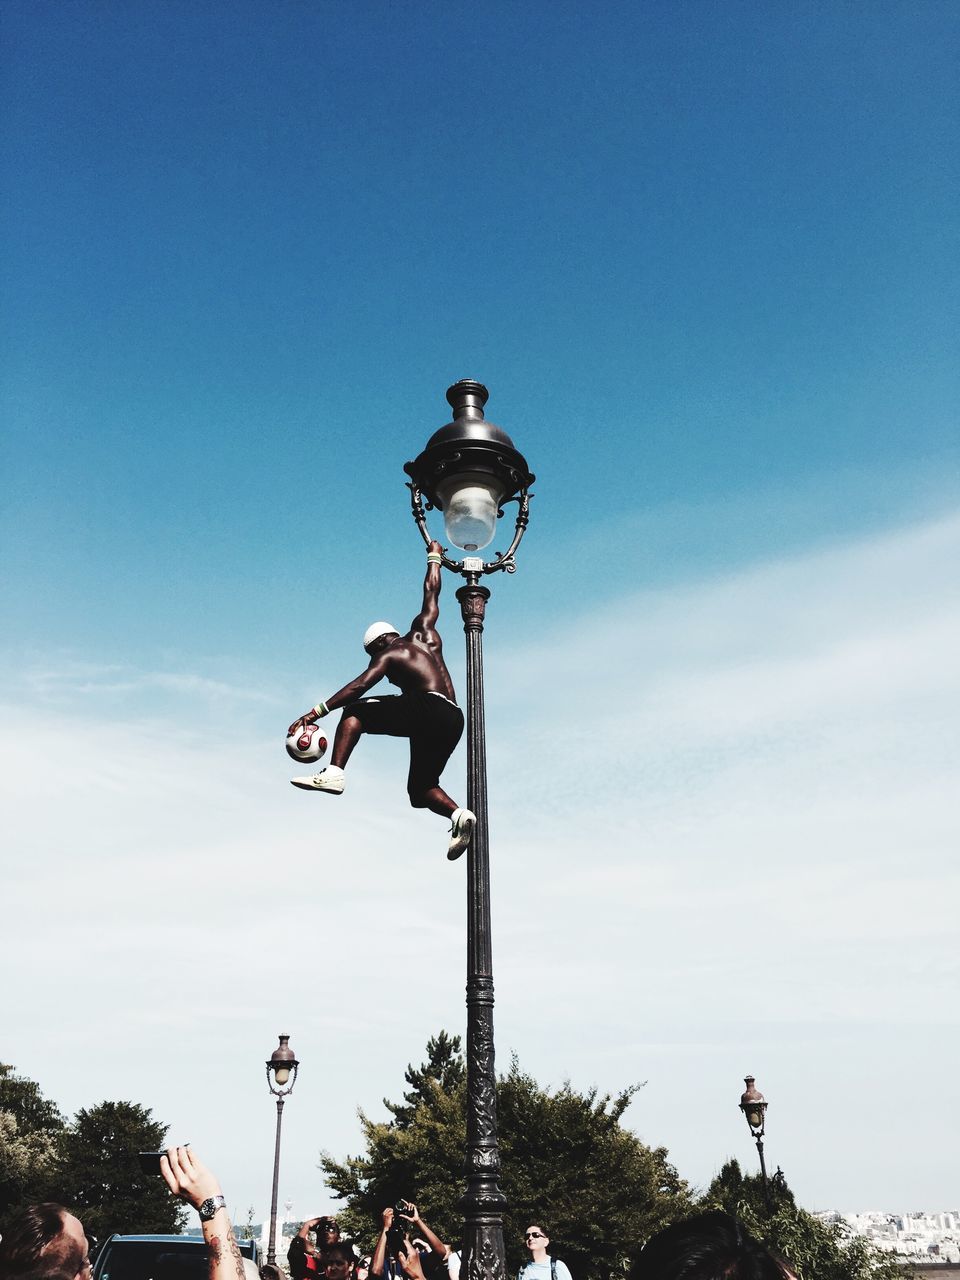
(541, 1270)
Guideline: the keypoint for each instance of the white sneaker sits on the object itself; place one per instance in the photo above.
(460, 832)
(328, 779)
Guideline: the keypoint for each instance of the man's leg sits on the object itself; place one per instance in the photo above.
(432, 798)
(348, 734)
(360, 717)
(436, 738)
(429, 753)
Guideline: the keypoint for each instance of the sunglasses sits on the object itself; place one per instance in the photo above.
(534, 1235)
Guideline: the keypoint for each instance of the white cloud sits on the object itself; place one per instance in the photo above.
(67, 677)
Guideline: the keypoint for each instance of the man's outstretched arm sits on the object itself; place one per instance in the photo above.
(349, 693)
(192, 1181)
(426, 619)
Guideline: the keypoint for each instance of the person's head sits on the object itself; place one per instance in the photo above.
(338, 1262)
(328, 1231)
(44, 1242)
(270, 1271)
(536, 1238)
(709, 1246)
(379, 636)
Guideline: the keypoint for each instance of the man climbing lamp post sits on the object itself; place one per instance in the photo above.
(469, 470)
(281, 1071)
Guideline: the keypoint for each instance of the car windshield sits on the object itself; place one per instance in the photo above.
(155, 1261)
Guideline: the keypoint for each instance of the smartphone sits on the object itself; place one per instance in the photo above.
(150, 1160)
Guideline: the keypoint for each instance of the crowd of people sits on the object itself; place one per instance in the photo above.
(48, 1242)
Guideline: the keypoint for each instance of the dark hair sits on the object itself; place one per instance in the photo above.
(341, 1249)
(709, 1246)
(34, 1246)
(270, 1271)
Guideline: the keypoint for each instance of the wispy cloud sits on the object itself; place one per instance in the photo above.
(76, 679)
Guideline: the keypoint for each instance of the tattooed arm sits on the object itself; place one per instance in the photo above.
(192, 1181)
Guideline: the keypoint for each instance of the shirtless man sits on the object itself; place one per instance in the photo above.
(425, 711)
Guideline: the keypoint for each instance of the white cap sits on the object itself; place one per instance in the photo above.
(377, 629)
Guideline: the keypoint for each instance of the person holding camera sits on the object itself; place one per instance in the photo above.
(306, 1259)
(193, 1182)
(541, 1265)
(442, 1252)
(396, 1255)
(383, 1264)
(46, 1240)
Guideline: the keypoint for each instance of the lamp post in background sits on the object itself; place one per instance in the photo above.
(469, 470)
(754, 1107)
(281, 1076)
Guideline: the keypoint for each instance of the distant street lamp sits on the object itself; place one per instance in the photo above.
(281, 1076)
(754, 1107)
(469, 470)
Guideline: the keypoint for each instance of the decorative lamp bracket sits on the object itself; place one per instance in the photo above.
(471, 567)
(288, 1087)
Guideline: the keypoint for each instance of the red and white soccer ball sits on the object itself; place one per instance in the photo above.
(307, 743)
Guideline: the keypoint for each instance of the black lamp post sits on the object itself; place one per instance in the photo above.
(754, 1107)
(281, 1076)
(469, 470)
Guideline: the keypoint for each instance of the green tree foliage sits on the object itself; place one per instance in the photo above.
(99, 1177)
(23, 1100)
(567, 1162)
(30, 1126)
(444, 1067)
(817, 1250)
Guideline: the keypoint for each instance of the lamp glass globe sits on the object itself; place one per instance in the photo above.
(470, 506)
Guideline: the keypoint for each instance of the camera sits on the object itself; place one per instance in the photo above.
(396, 1234)
(403, 1207)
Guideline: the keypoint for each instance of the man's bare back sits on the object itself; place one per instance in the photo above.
(415, 665)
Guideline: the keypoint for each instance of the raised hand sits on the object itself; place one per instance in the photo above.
(187, 1177)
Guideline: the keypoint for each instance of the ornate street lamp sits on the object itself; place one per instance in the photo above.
(281, 1076)
(754, 1107)
(469, 470)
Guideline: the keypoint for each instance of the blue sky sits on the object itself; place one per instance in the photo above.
(705, 258)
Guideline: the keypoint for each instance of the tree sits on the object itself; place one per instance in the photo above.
(22, 1098)
(444, 1067)
(817, 1250)
(99, 1176)
(30, 1126)
(26, 1162)
(737, 1192)
(567, 1161)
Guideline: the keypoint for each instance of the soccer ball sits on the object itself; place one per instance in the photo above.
(307, 743)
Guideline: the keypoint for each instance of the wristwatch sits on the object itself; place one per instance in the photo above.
(210, 1206)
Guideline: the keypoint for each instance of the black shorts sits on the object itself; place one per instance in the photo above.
(432, 722)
